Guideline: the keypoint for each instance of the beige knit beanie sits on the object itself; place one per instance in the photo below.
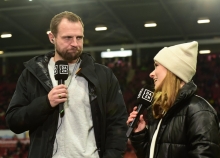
(180, 59)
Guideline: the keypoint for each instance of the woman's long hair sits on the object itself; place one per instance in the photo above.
(165, 94)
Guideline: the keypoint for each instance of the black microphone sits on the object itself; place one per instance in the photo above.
(144, 98)
(61, 72)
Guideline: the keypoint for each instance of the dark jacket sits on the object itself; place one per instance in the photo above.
(190, 129)
(30, 109)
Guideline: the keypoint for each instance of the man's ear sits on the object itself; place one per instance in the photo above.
(51, 37)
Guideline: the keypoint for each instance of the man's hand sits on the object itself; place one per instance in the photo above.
(58, 95)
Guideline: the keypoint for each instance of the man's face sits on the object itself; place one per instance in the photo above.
(69, 41)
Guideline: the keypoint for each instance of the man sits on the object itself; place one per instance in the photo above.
(94, 120)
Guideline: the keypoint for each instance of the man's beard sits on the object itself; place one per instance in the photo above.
(69, 57)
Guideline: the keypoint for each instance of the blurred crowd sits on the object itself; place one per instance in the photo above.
(131, 79)
(14, 147)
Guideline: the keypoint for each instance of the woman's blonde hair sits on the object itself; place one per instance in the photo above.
(165, 94)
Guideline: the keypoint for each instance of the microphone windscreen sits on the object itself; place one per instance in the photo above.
(61, 70)
(145, 95)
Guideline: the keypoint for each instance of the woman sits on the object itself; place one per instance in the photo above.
(179, 123)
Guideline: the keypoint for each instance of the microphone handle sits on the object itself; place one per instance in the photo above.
(131, 126)
(60, 82)
(61, 107)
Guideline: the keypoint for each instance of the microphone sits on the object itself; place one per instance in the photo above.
(144, 98)
(61, 72)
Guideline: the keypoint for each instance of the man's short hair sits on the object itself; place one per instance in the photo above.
(55, 21)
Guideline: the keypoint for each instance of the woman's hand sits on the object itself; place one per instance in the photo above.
(141, 123)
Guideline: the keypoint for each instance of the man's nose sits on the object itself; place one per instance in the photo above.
(74, 42)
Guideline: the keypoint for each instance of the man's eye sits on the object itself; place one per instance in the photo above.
(67, 38)
(79, 38)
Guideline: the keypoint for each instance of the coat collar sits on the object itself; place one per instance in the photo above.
(186, 92)
(184, 95)
(38, 66)
(88, 69)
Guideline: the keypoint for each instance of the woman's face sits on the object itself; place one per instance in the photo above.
(158, 74)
